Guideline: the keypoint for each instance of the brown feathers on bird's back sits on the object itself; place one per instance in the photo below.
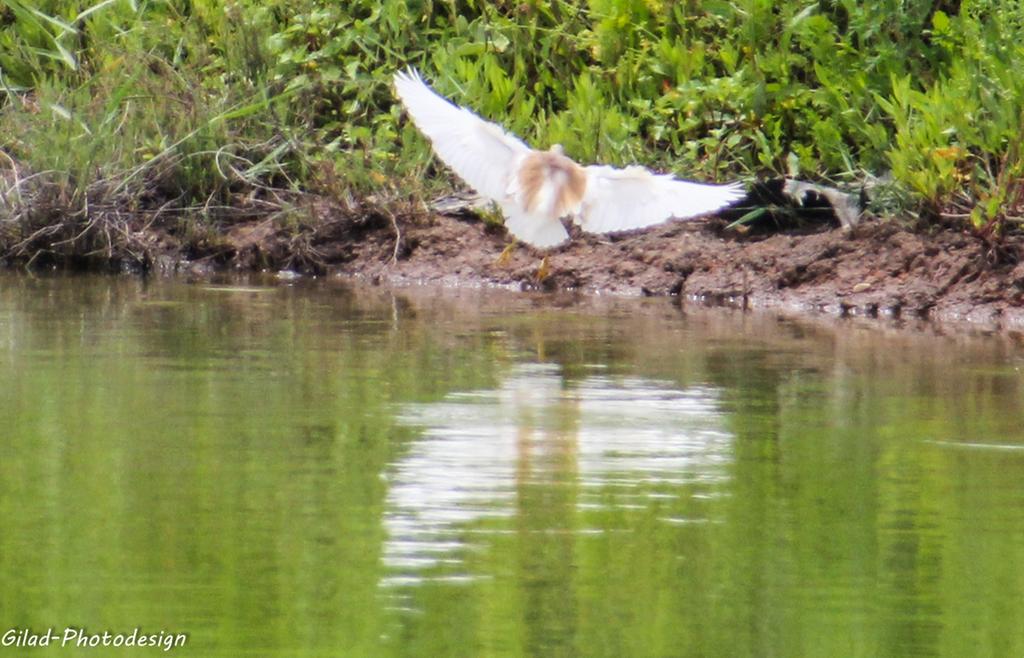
(542, 168)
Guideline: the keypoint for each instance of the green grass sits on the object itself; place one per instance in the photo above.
(211, 109)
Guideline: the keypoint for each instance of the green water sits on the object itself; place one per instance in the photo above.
(324, 470)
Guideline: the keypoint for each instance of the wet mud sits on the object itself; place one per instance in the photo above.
(876, 269)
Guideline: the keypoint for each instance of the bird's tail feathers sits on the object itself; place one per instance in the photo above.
(533, 228)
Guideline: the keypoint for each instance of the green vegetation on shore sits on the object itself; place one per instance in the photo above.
(191, 114)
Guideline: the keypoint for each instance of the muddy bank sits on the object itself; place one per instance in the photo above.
(877, 269)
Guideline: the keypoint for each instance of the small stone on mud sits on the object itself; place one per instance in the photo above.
(862, 287)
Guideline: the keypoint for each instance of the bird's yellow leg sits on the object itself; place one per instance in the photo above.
(544, 271)
(506, 255)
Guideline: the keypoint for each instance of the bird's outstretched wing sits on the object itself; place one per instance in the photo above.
(480, 152)
(630, 198)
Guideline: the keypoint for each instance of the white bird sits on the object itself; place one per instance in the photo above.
(536, 189)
